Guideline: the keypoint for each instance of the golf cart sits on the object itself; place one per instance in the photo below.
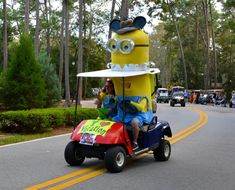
(232, 101)
(162, 95)
(111, 141)
(177, 98)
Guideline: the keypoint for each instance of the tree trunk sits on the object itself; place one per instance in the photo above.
(61, 68)
(36, 35)
(88, 48)
(26, 26)
(197, 28)
(124, 12)
(67, 86)
(80, 52)
(47, 29)
(213, 44)
(108, 55)
(181, 47)
(5, 53)
(207, 65)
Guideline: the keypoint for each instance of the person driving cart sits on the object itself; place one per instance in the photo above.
(137, 113)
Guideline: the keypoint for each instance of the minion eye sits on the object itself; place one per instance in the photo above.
(126, 46)
(112, 45)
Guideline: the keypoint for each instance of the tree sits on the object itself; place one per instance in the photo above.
(26, 26)
(67, 86)
(213, 45)
(22, 85)
(5, 53)
(170, 6)
(37, 28)
(80, 51)
(61, 61)
(124, 12)
(207, 65)
(226, 47)
(52, 84)
(171, 13)
(46, 15)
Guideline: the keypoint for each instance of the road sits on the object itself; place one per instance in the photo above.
(202, 158)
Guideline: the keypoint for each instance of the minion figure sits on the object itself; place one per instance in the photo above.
(129, 49)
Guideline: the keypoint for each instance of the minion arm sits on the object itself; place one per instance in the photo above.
(141, 106)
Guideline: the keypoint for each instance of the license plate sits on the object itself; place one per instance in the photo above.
(87, 139)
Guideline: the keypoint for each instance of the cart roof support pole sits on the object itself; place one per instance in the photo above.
(123, 95)
(76, 103)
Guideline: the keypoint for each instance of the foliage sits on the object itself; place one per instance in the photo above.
(52, 85)
(41, 120)
(21, 85)
(188, 16)
(226, 41)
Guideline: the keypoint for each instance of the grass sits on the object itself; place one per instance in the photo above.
(10, 138)
(15, 138)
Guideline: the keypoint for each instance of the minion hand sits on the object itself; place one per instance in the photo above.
(141, 106)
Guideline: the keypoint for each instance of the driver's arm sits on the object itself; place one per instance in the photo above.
(141, 106)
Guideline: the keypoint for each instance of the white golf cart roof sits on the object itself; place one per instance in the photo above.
(162, 89)
(111, 73)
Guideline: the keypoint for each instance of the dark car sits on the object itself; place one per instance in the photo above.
(177, 98)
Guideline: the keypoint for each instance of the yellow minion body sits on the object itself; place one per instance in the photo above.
(134, 86)
(137, 85)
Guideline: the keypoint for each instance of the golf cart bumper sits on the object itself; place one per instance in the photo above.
(115, 135)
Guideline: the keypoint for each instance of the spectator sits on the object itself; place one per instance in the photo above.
(107, 99)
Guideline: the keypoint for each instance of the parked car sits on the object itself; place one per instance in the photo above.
(232, 102)
(162, 95)
(177, 98)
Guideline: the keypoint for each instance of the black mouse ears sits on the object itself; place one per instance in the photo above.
(121, 27)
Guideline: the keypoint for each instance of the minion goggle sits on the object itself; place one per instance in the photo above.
(124, 46)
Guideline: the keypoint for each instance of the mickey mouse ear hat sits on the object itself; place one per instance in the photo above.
(122, 27)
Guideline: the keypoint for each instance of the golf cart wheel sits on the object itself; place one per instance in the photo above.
(115, 159)
(72, 154)
(163, 152)
(172, 103)
(183, 104)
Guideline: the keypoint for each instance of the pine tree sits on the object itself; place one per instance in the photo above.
(52, 84)
(22, 86)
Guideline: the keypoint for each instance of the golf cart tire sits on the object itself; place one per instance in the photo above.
(183, 104)
(163, 152)
(72, 154)
(115, 159)
(172, 104)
